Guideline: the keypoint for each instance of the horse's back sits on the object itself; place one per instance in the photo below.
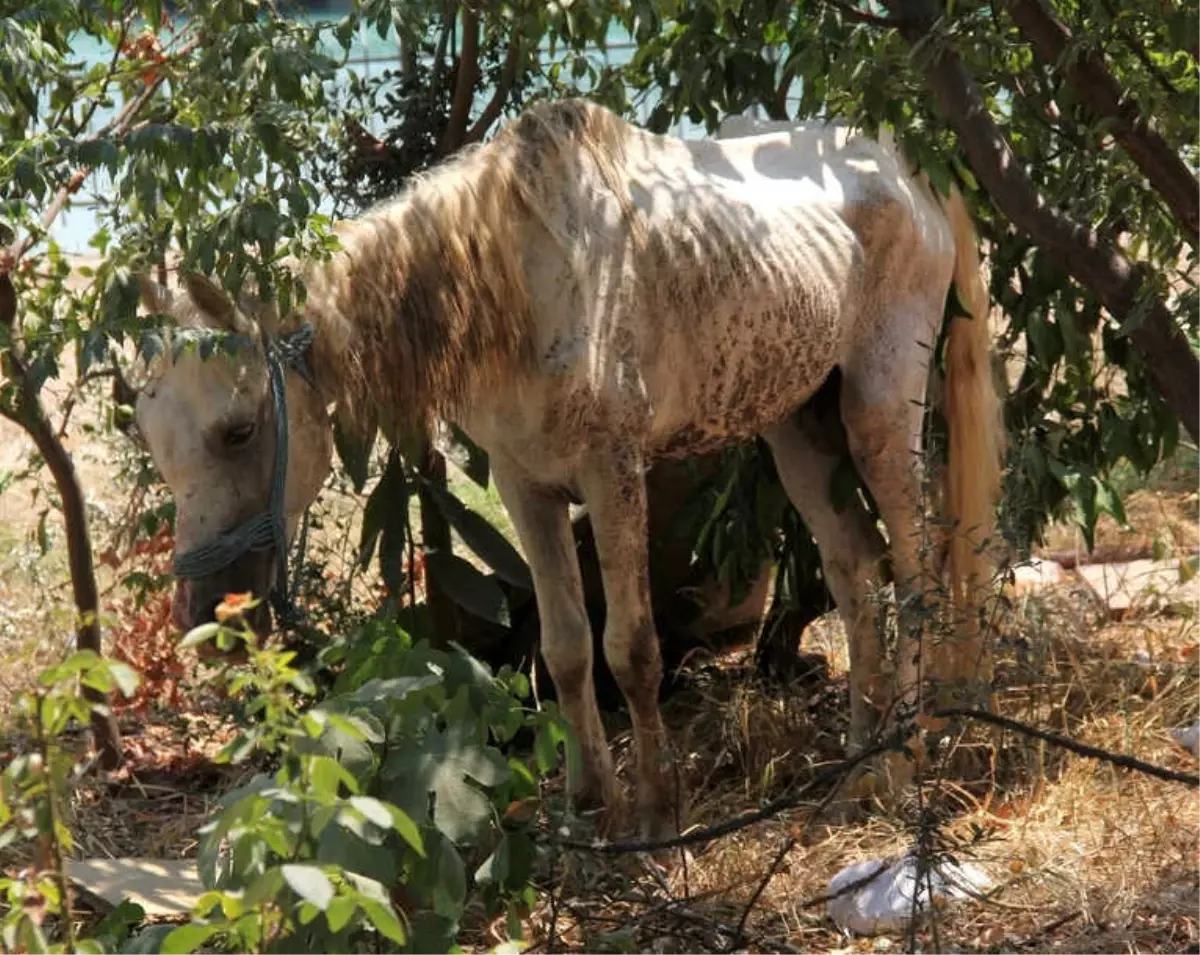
(707, 287)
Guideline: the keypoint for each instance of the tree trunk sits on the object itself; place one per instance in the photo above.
(1088, 257)
(31, 416)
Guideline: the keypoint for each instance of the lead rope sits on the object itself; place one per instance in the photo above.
(267, 528)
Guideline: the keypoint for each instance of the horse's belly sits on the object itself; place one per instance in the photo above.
(739, 382)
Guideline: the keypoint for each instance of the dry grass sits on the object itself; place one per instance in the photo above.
(1085, 857)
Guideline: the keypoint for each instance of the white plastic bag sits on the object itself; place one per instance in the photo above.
(1188, 737)
(885, 903)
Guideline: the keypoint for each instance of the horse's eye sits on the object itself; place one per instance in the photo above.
(239, 435)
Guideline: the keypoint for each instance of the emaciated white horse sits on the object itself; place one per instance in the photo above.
(582, 296)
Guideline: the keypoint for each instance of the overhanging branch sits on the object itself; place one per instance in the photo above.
(118, 125)
(508, 76)
(1088, 257)
(1090, 80)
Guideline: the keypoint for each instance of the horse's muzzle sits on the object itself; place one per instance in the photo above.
(197, 600)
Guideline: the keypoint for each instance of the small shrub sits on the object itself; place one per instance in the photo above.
(392, 804)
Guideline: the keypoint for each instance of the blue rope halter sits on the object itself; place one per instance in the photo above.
(267, 528)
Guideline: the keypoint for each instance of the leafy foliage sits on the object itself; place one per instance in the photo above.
(393, 804)
(32, 785)
(385, 793)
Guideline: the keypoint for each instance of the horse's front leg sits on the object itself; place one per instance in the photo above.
(614, 489)
(543, 525)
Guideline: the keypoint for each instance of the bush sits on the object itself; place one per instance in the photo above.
(376, 817)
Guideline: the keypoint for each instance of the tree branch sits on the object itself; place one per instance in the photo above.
(117, 125)
(467, 73)
(439, 53)
(1097, 264)
(508, 76)
(30, 415)
(1095, 86)
(1139, 51)
(777, 107)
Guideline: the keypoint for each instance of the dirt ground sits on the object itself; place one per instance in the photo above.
(1085, 857)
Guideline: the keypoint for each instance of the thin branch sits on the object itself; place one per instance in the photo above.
(29, 413)
(781, 804)
(740, 934)
(117, 125)
(467, 73)
(504, 85)
(1080, 749)
(94, 102)
(439, 53)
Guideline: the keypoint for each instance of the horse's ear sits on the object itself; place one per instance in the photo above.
(215, 303)
(155, 297)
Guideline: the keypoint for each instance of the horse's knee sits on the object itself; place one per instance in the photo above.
(566, 645)
(633, 654)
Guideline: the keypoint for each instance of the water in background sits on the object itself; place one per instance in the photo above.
(370, 55)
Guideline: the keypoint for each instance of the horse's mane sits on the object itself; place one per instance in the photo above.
(428, 297)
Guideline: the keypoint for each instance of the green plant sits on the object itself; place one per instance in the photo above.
(392, 803)
(33, 785)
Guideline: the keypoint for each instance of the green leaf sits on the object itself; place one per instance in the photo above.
(125, 677)
(310, 883)
(327, 775)
(187, 938)
(373, 899)
(451, 766)
(467, 587)
(380, 502)
(450, 889)
(372, 810)
(489, 544)
(198, 635)
(340, 911)
(149, 941)
(407, 829)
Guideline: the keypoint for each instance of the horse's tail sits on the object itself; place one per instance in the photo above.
(972, 412)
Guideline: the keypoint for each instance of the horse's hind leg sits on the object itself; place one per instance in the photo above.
(852, 553)
(883, 392)
(614, 490)
(543, 525)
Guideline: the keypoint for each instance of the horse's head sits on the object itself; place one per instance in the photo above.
(212, 426)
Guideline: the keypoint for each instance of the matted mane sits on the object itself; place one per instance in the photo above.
(428, 299)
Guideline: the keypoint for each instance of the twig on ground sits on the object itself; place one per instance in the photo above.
(1081, 749)
(740, 933)
(835, 773)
